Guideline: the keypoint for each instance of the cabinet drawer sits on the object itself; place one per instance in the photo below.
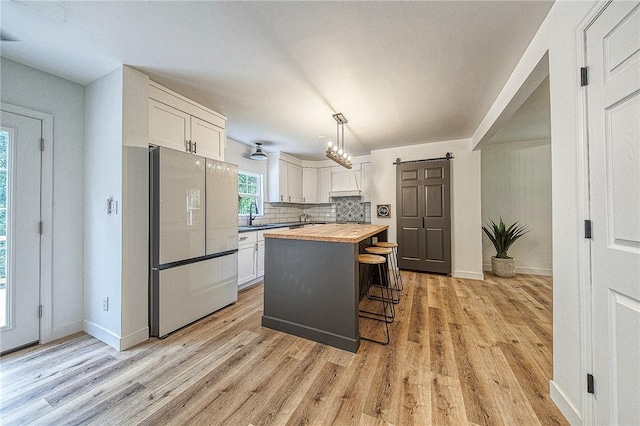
(247, 238)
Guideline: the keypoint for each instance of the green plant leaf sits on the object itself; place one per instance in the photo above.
(502, 237)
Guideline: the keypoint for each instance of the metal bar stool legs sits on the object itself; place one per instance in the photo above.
(369, 260)
(394, 261)
(393, 283)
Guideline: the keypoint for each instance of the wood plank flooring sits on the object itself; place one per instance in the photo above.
(462, 352)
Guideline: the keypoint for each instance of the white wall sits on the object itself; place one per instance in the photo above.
(558, 35)
(135, 208)
(103, 233)
(116, 246)
(516, 185)
(466, 242)
(238, 153)
(30, 88)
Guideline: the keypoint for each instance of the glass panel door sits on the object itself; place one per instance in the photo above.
(4, 177)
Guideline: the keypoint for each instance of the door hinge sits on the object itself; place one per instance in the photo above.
(590, 385)
(584, 76)
(587, 228)
(40, 227)
(40, 311)
(41, 144)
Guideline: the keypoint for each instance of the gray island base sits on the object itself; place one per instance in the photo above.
(311, 282)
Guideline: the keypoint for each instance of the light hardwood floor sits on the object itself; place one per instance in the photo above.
(462, 352)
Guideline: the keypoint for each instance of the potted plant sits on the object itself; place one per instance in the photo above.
(502, 238)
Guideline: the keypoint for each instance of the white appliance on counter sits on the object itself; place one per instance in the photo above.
(193, 238)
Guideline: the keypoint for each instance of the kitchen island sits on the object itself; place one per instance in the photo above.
(311, 282)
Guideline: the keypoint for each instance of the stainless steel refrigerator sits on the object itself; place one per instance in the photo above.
(193, 238)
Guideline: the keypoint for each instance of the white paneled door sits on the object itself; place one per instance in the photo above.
(613, 54)
(20, 168)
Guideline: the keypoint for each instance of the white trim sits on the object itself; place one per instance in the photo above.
(134, 338)
(584, 248)
(46, 216)
(568, 410)
(468, 275)
(101, 333)
(251, 283)
(525, 270)
(112, 339)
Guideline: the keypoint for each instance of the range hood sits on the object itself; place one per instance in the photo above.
(345, 183)
(348, 193)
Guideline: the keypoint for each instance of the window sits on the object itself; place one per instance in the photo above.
(249, 192)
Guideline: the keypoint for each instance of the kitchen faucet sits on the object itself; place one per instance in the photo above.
(251, 206)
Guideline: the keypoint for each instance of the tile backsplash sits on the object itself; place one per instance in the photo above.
(344, 209)
(351, 209)
(285, 213)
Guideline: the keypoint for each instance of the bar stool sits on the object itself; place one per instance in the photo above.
(370, 260)
(387, 252)
(394, 261)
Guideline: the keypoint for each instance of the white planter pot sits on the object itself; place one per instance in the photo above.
(503, 267)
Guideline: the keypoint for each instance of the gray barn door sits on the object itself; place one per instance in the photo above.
(424, 216)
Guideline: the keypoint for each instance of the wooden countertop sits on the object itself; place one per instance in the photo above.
(337, 233)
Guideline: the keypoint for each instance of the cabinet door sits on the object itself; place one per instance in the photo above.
(260, 259)
(366, 182)
(246, 263)
(282, 180)
(325, 185)
(168, 126)
(309, 185)
(208, 139)
(294, 183)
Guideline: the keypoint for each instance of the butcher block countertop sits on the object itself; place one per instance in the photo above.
(337, 233)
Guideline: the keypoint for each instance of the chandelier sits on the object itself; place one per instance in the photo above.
(336, 151)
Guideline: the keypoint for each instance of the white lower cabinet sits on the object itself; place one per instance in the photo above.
(250, 256)
(260, 259)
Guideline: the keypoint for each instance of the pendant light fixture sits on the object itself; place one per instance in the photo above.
(336, 151)
(258, 155)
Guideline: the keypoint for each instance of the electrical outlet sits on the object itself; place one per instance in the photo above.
(105, 303)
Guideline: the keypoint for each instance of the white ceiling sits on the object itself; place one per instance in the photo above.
(401, 72)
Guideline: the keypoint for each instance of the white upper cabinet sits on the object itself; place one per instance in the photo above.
(178, 123)
(366, 177)
(207, 139)
(285, 179)
(294, 183)
(168, 126)
(290, 182)
(310, 185)
(324, 186)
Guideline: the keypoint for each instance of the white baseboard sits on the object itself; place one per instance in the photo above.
(134, 338)
(524, 270)
(112, 339)
(534, 271)
(568, 410)
(250, 283)
(66, 330)
(101, 333)
(468, 275)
